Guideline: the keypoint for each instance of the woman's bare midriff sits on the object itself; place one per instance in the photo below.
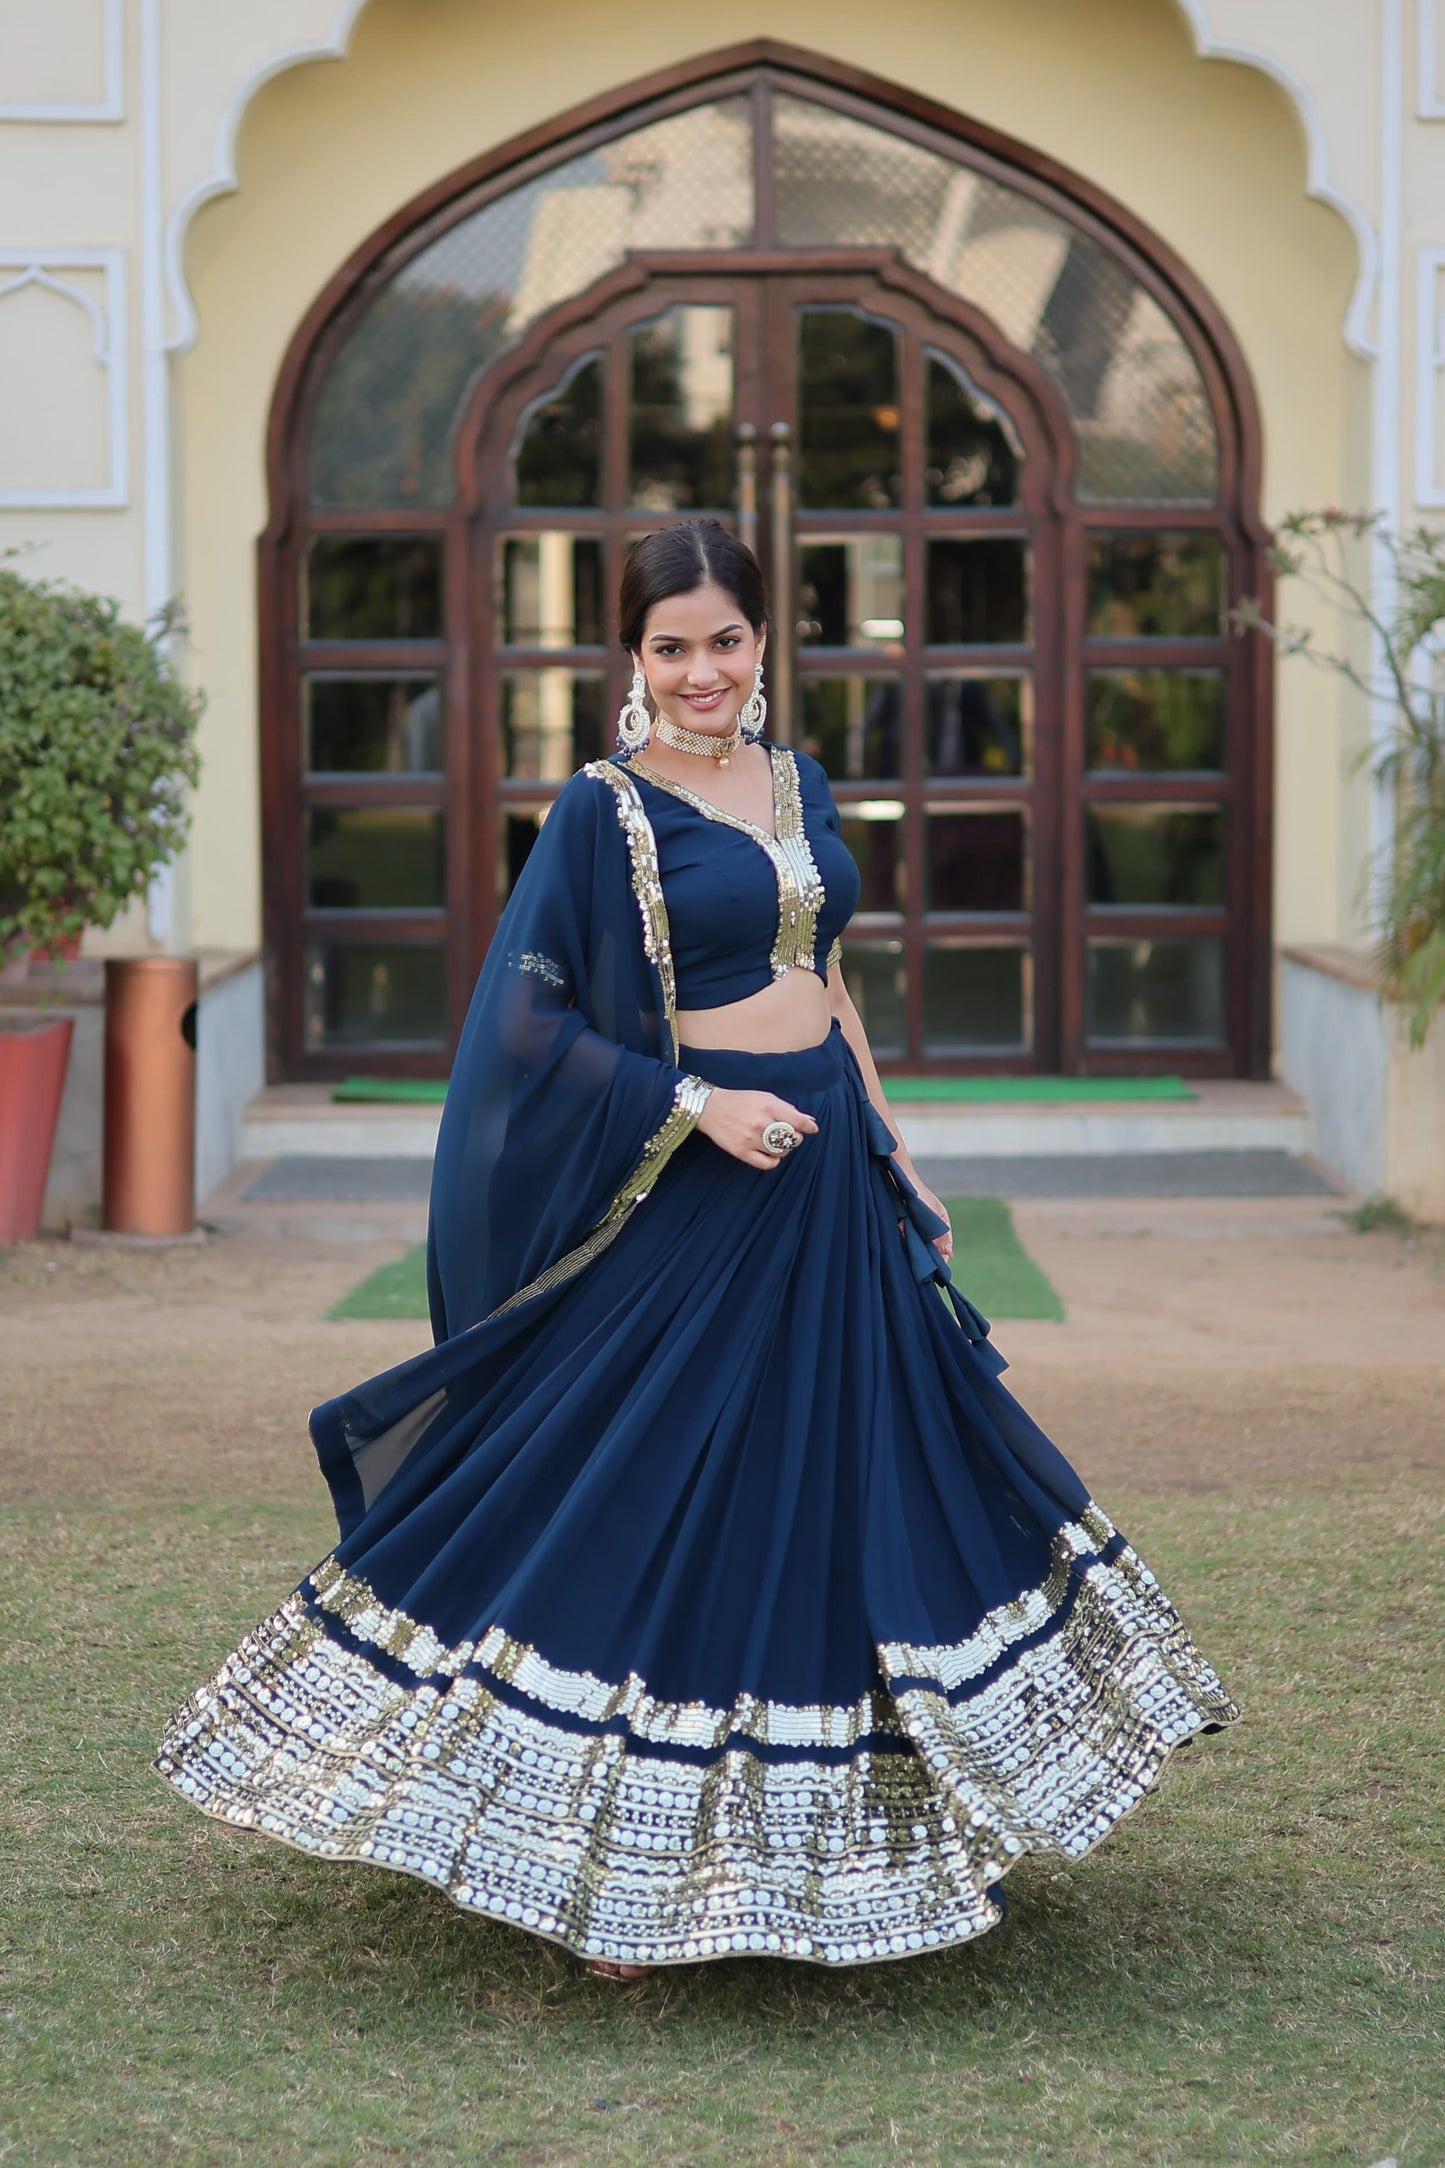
(784, 1018)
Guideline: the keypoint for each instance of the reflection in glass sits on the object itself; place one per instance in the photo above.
(978, 726)
(551, 722)
(521, 826)
(873, 832)
(1155, 586)
(375, 858)
(559, 458)
(853, 725)
(1132, 386)
(849, 442)
(977, 591)
(973, 453)
(973, 998)
(1142, 720)
(386, 587)
(878, 982)
(1154, 990)
(977, 860)
(373, 725)
(367, 993)
(850, 591)
(385, 418)
(679, 428)
(1142, 854)
(549, 591)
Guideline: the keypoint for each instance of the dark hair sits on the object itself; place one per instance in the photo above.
(674, 561)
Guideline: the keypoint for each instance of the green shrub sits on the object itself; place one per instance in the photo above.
(97, 754)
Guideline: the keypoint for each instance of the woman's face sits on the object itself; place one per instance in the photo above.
(699, 655)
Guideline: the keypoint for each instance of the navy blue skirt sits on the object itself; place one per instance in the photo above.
(723, 1600)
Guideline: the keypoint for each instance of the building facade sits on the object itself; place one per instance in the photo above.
(376, 331)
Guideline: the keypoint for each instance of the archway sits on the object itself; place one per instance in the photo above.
(914, 361)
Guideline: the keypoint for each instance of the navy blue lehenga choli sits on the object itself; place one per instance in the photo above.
(702, 1590)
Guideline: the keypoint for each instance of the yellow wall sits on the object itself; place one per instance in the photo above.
(1209, 154)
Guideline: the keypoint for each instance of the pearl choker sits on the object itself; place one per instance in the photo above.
(704, 744)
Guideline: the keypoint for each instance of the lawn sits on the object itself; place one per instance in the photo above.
(1248, 1971)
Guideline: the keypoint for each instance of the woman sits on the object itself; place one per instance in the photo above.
(701, 1590)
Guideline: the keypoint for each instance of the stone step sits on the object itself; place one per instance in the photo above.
(1229, 1115)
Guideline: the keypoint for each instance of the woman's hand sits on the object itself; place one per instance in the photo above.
(944, 1243)
(735, 1122)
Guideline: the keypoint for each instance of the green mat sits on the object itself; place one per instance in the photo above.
(427, 1091)
(990, 1263)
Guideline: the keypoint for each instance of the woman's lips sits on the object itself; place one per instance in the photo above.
(704, 702)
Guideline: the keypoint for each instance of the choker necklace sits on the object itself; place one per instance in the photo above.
(701, 742)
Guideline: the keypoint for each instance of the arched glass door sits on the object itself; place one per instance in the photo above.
(1000, 462)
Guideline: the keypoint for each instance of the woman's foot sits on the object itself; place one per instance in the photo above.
(607, 1970)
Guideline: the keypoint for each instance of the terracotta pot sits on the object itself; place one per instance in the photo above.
(33, 1061)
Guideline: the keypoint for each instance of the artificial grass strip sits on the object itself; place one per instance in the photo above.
(991, 1265)
(1063, 1089)
(394, 1290)
(431, 1091)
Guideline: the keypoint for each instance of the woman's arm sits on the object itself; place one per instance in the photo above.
(851, 1024)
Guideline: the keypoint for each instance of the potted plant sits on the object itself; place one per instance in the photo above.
(1400, 626)
(97, 753)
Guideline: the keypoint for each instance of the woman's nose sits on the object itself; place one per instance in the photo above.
(703, 672)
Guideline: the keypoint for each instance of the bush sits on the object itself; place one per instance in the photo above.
(97, 753)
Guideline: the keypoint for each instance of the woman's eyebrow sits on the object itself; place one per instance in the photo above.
(675, 638)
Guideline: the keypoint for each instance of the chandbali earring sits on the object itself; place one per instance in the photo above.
(634, 724)
(754, 711)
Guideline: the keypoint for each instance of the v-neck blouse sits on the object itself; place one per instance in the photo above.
(744, 907)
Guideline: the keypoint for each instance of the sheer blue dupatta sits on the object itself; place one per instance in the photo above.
(564, 1106)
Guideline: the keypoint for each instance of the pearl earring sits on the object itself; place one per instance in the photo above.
(634, 724)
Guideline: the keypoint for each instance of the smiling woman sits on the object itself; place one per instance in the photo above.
(702, 1592)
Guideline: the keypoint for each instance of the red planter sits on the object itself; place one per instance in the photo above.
(33, 1062)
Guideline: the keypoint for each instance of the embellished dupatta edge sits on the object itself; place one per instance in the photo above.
(690, 1095)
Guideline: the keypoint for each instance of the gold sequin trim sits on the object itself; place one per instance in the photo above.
(690, 1095)
(835, 953)
(594, 1838)
(646, 880)
(801, 894)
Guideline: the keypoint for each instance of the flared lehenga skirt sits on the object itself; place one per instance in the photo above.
(720, 1600)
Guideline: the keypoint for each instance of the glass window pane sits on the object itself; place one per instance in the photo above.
(850, 591)
(370, 993)
(873, 832)
(520, 828)
(979, 726)
(375, 858)
(383, 588)
(849, 442)
(878, 982)
(385, 417)
(1143, 720)
(373, 725)
(549, 591)
(974, 998)
(978, 591)
(854, 726)
(1156, 586)
(977, 860)
(1141, 854)
(1155, 990)
(679, 427)
(559, 459)
(1132, 386)
(551, 722)
(973, 453)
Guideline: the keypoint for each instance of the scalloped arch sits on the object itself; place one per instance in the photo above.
(223, 178)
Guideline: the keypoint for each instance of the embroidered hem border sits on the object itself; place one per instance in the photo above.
(660, 1833)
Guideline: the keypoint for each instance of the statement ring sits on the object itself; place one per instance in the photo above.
(780, 1137)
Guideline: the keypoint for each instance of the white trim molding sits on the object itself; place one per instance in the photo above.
(109, 106)
(222, 179)
(45, 267)
(1209, 46)
(1429, 372)
(1429, 100)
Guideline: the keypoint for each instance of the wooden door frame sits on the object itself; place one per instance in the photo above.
(759, 68)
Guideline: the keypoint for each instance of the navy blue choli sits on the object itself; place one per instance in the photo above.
(702, 1590)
